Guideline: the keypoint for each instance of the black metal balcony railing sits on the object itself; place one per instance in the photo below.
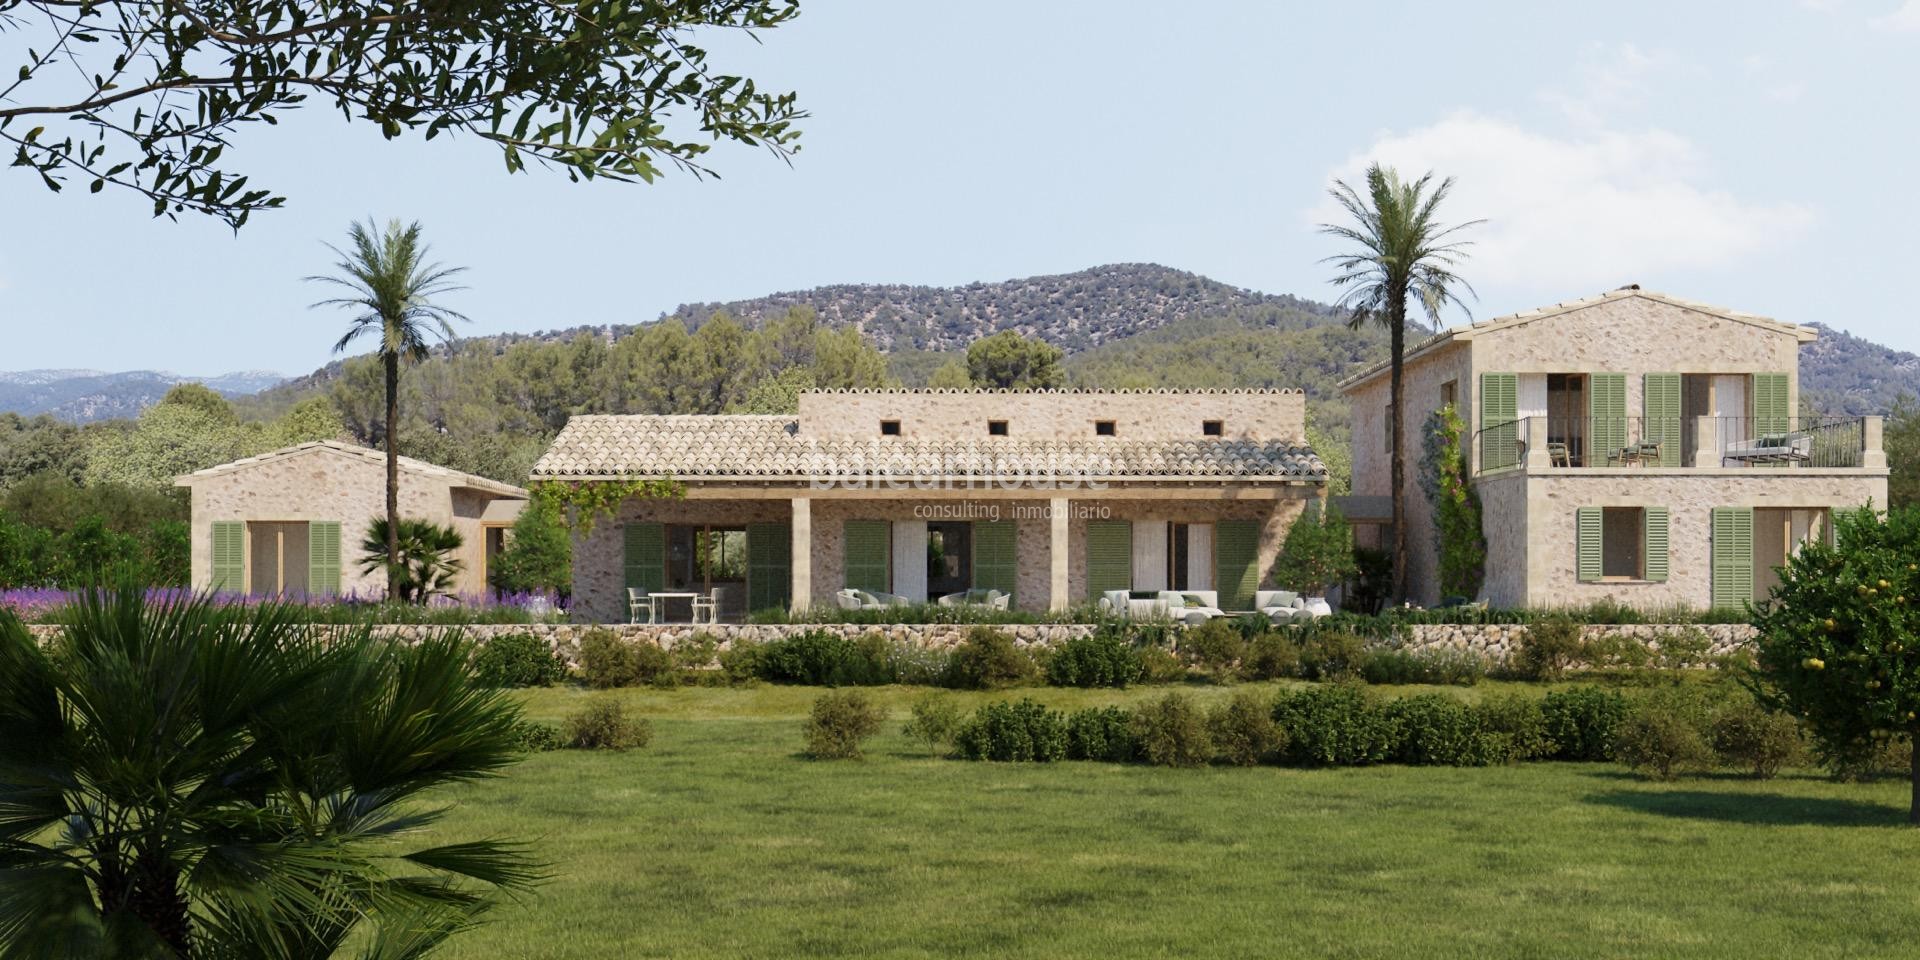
(1575, 442)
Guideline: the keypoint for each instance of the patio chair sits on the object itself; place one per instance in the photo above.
(704, 603)
(637, 603)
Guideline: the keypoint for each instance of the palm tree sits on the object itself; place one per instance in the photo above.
(427, 561)
(1403, 254)
(184, 779)
(391, 286)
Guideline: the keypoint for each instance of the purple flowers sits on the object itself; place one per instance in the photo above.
(39, 604)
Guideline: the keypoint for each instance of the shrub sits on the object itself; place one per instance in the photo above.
(606, 661)
(1580, 722)
(1750, 737)
(741, 661)
(1515, 726)
(838, 722)
(1447, 667)
(936, 719)
(823, 658)
(987, 660)
(1661, 738)
(604, 725)
(1160, 665)
(518, 660)
(1215, 647)
(1437, 729)
(1334, 725)
(1243, 731)
(1101, 733)
(1013, 732)
(1172, 732)
(1550, 647)
(1271, 655)
(1873, 759)
(536, 737)
(917, 664)
(1333, 655)
(1682, 649)
(1104, 659)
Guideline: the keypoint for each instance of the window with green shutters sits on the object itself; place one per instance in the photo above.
(323, 558)
(1109, 556)
(1236, 562)
(1590, 550)
(1732, 557)
(769, 566)
(645, 558)
(1660, 405)
(1499, 423)
(1656, 544)
(994, 549)
(1772, 414)
(1607, 408)
(868, 546)
(229, 556)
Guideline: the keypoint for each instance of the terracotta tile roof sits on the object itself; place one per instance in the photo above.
(772, 447)
(409, 464)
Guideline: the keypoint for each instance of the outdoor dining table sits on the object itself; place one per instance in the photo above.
(688, 595)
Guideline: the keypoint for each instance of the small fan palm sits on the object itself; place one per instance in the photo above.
(427, 564)
(391, 287)
(181, 779)
(1403, 254)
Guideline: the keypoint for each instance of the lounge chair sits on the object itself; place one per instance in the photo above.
(991, 599)
(1778, 448)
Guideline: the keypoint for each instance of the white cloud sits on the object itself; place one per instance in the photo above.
(1576, 215)
(1905, 18)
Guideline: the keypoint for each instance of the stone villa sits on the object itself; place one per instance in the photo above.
(1053, 497)
(1631, 446)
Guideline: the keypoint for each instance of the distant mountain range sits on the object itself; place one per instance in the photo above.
(82, 396)
(1122, 325)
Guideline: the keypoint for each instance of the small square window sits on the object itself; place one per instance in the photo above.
(889, 428)
(996, 428)
(1104, 428)
(1213, 428)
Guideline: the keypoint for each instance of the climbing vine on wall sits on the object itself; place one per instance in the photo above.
(584, 502)
(1456, 507)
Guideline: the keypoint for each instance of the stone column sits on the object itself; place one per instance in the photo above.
(801, 555)
(1873, 453)
(1706, 445)
(1059, 511)
(1538, 458)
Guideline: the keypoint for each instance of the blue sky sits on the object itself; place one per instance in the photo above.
(1756, 155)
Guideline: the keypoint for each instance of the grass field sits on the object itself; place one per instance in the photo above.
(722, 841)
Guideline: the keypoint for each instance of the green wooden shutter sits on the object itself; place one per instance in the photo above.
(1732, 557)
(1661, 407)
(1607, 406)
(1499, 423)
(1236, 562)
(1771, 413)
(769, 566)
(994, 567)
(867, 544)
(1590, 537)
(323, 558)
(1109, 556)
(229, 556)
(1656, 545)
(645, 562)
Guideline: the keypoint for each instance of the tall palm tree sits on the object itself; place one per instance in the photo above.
(391, 286)
(1403, 254)
(187, 780)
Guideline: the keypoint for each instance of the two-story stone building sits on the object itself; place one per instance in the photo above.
(1631, 446)
(1053, 497)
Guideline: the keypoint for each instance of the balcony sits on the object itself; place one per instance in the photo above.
(1581, 443)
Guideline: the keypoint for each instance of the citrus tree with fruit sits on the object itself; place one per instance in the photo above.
(1839, 638)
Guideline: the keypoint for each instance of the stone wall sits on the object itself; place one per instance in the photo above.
(1056, 415)
(1495, 643)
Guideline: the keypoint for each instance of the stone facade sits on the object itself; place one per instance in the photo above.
(1057, 415)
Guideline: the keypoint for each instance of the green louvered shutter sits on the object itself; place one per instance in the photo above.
(1771, 413)
(1607, 406)
(645, 562)
(1732, 557)
(229, 556)
(1499, 423)
(1656, 545)
(1236, 562)
(323, 558)
(993, 556)
(1590, 535)
(1109, 556)
(867, 548)
(1661, 406)
(769, 566)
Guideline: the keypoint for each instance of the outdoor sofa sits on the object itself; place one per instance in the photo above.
(991, 599)
(852, 599)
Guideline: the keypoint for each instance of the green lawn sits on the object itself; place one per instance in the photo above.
(721, 841)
